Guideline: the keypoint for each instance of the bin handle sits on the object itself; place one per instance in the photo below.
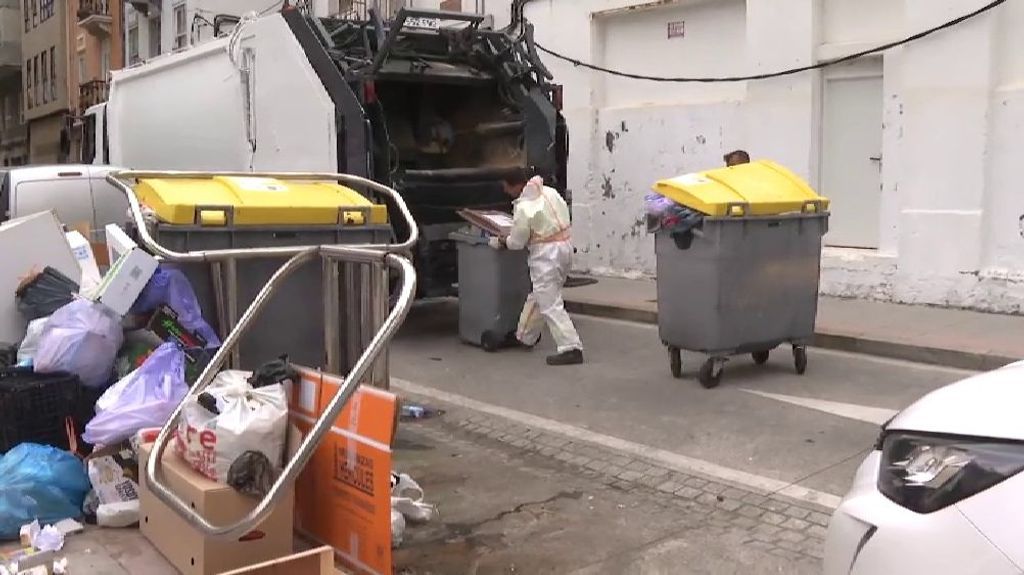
(743, 208)
(119, 179)
(812, 207)
(362, 210)
(323, 425)
(228, 211)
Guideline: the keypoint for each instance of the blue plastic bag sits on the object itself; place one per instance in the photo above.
(170, 287)
(143, 398)
(80, 338)
(39, 482)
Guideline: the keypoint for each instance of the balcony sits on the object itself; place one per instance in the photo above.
(145, 6)
(91, 93)
(94, 16)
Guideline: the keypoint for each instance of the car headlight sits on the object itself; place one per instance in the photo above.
(926, 473)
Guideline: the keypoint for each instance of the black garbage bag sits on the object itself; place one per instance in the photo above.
(251, 474)
(8, 354)
(276, 371)
(44, 294)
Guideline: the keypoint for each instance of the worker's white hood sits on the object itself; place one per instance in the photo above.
(986, 405)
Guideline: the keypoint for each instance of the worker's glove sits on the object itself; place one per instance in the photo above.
(496, 243)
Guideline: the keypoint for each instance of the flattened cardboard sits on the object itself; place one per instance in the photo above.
(344, 494)
(493, 222)
(313, 562)
(186, 548)
(27, 245)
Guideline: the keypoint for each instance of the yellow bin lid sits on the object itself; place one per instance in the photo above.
(760, 188)
(252, 201)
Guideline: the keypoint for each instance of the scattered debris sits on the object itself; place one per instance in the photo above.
(413, 411)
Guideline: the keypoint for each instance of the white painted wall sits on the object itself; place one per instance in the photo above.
(951, 227)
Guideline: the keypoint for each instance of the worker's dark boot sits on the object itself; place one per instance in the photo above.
(571, 357)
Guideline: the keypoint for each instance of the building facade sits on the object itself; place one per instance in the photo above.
(13, 133)
(68, 49)
(917, 147)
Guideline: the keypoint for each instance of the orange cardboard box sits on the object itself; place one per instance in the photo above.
(343, 497)
(187, 549)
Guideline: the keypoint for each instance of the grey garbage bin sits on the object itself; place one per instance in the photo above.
(739, 285)
(493, 286)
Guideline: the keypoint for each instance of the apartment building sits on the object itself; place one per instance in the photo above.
(154, 27)
(68, 49)
(13, 133)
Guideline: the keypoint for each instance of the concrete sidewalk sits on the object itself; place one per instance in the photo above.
(937, 336)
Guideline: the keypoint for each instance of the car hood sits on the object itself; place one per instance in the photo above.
(986, 405)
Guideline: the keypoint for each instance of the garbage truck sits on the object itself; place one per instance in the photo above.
(434, 104)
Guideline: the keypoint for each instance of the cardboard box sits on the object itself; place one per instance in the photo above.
(129, 273)
(185, 547)
(343, 496)
(27, 245)
(82, 249)
(313, 562)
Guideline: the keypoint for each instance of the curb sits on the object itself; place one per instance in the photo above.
(823, 338)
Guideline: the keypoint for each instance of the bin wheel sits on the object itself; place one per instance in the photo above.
(675, 362)
(711, 373)
(800, 359)
(490, 342)
(760, 357)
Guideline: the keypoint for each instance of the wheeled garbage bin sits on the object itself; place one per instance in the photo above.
(493, 286)
(246, 212)
(746, 279)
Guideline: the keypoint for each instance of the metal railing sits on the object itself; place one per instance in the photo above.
(88, 8)
(93, 92)
(379, 258)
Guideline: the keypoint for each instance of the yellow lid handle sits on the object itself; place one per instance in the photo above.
(212, 218)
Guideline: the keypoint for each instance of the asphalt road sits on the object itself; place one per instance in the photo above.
(625, 391)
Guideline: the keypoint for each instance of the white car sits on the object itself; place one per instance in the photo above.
(942, 492)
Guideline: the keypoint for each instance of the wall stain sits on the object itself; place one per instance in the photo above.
(625, 129)
(1020, 226)
(702, 140)
(609, 191)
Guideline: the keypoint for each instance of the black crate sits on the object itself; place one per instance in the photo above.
(34, 407)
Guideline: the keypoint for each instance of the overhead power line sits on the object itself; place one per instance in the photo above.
(789, 72)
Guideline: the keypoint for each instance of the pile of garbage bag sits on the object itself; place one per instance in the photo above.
(664, 214)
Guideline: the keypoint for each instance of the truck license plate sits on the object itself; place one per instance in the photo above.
(428, 23)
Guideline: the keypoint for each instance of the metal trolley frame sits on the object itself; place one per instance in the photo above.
(361, 269)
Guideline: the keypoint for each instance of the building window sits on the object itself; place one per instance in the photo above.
(180, 27)
(46, 78)
(83, 74)
(53, 73)
(45, 10)
(133, 45)
(35, 12)
(105, 59)
(154, 37)
(28, 84)
(28, 18)
(35, 78)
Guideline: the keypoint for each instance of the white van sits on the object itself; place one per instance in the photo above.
(78, 194)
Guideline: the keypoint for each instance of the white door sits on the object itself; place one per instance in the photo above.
(851, 162)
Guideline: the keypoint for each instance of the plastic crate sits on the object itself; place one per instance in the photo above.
(34, 407)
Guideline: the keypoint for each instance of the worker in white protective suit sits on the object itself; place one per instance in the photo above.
(540, 223)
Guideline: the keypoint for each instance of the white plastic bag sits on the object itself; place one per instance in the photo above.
(30, 345)
(250, 420)
(144, 398)
(407, 499)
(80, 338)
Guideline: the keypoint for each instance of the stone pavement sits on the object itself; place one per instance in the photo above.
(727, 529)
(937, 336)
